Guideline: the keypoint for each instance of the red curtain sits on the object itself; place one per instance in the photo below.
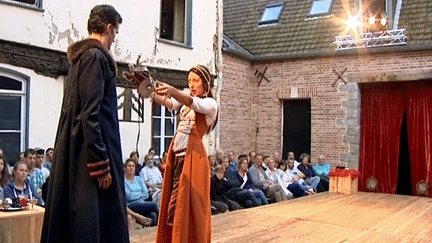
(382, 108)
(419, 122)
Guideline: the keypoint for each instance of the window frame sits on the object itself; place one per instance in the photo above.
(187, 28)
(25, 99)
(37, 6)
(162, 136)
(272, 21)
(322, 13)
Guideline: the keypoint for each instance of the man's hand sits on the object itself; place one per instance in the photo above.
(105, 182)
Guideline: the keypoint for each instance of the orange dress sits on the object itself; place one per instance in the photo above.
(192, 217)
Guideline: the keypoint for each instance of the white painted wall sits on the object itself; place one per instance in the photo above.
(63, 22)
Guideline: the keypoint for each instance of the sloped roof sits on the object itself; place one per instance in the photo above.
(298, 35)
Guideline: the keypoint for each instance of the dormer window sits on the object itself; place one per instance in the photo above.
(272, 13)
(320, 7)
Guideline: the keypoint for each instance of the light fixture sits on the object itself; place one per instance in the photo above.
(383, 21)
(372, 20)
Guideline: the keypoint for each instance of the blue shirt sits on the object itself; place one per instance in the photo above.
(322, 170)
(135, 190)
(10, 191)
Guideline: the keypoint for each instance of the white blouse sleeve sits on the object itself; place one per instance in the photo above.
(206, 106)
(175, 105)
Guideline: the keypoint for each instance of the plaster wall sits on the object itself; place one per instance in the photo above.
(62, 22)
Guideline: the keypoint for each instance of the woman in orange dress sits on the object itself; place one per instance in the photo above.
(185, 210)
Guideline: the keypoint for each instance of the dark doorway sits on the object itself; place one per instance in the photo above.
(296, 127)
(404, 178)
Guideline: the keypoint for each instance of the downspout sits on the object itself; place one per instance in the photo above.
(219, 66)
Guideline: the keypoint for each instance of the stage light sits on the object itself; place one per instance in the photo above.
(372, 20)
(352, 22)
(383, 21)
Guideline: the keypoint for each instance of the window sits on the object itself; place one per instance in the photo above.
(13, 115)
(163, 128)
(25, 3)
(321, 7)
(272, 13)
(176, 21)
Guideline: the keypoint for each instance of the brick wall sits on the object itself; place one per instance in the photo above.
(334, 109)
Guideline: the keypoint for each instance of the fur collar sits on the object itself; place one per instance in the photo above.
(76, 50)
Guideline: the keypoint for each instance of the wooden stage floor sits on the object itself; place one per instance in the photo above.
(325, 217)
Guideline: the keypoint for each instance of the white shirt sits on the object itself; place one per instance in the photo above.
(206, 106)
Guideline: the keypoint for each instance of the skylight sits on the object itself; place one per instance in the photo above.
(272, 13)
(321, 7)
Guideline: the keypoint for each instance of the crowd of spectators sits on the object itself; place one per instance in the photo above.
(250, 180)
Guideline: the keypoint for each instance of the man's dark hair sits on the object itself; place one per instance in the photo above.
(100, 16)
(48, 149)
(29, 151)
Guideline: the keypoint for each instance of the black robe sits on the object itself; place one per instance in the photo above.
(87, 140)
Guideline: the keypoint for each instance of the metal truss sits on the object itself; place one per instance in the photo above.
(376, 39)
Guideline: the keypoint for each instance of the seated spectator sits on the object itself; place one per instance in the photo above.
(212, 160)
(276, 176)
(137, 194)
(5, 176)
(225, 162)
(219, 188)
(152, 177)
(246, 194)
(292, 181)
(35, 175)
(39, 162)
(307, 170)
(135, 157)
(261, 181)
(233, 163)
(219, 155)
(20, 185)
(291, 155)
(252, 158)
(322, 170)
(49, 158)
(162, 162)
(153, 152)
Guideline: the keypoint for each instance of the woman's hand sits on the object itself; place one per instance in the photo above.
(164, 89)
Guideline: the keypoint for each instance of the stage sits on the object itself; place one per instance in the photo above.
(325, 217)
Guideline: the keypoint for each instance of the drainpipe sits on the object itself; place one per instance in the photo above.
(219, 66)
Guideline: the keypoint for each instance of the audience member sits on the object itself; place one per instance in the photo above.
(308, 171)
(135, 157)
(49, 158)
(276, 175)
(291, 179)
(291, 155)
(219, 189)
(162, 162)
(4, 174)
(261, 181)
(213, 163)
(246, 195)
(322, 170)
(137, 194)
(152, 177)
(35, 175)
(219, 154)
(153, 152)
(277, 158)
(233, 163)
(39, 162)
(20, 186)
(225, 162)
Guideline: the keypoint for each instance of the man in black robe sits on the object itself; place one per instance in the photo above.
(86, 200)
